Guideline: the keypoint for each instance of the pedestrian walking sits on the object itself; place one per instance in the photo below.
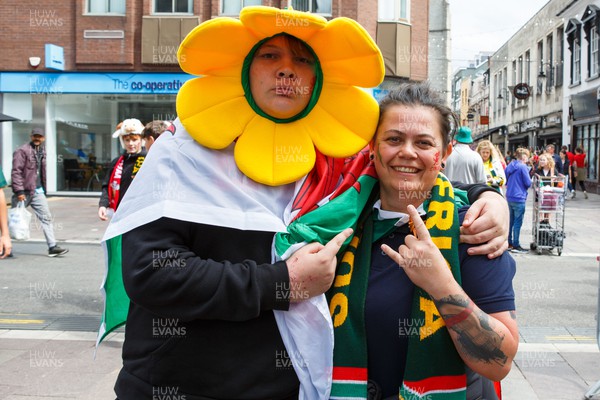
(29, 185)
(550, 149)
(518, 182)
(580, 168)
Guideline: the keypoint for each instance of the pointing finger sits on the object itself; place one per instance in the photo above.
(334, 245)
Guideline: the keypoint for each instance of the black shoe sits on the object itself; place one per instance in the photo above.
(520, 250)
(57, 251)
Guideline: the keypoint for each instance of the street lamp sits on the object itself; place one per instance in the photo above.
(542, 76)
(503, 91)
(542, 73)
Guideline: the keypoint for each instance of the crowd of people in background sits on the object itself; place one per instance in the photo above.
(574, 165)
(512, 175)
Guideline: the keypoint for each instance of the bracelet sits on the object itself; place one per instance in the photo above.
(460, 317)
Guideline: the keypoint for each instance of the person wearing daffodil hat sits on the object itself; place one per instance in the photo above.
(260, 138)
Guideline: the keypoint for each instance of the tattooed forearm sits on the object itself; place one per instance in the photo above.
(479, 341)
(473, 329)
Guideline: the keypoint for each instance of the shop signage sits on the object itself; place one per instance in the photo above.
(513, 128)
(92, 83)
(522, 91)
(531, 124)
(55, 57)
(553, 120)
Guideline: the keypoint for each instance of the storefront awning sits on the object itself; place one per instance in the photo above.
(6, 118)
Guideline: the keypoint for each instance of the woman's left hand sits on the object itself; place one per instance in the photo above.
(422, 261)
(486, 223)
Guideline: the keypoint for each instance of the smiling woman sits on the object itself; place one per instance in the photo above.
(438, 288)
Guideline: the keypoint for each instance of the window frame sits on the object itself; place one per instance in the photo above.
(573, 33)
(594, 52)
(310, 2)
(576, 63)
(189, 12)
(107, 4)
(401, 13)
(241, 3)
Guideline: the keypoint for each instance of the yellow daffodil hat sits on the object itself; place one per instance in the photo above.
(217, 108)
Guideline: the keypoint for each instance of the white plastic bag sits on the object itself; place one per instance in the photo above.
(18, 222)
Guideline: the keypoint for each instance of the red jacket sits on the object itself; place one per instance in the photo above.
(24, 169)
(579, 160)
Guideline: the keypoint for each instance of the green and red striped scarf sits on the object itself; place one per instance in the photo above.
(434, 370)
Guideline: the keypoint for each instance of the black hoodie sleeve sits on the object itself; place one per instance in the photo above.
(194, 271)
(104, 201)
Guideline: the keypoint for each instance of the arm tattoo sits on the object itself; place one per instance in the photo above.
(476, 337)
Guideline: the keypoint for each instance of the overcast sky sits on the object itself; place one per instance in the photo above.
(485, 25)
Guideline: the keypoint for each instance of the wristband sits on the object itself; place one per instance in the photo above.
(460, 317)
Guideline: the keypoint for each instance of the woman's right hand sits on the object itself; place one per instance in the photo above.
(422, 261)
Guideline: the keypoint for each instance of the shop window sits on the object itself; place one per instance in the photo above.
(106, 7)
(313, 6)
(173, 6)
(393, 10)
(233, 7)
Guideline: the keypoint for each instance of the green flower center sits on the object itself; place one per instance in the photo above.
(316, 92)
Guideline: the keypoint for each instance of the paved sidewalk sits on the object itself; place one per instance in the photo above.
(37, 363)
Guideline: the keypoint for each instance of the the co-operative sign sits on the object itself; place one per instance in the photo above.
(92, 83)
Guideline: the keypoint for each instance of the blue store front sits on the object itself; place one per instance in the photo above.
(79, 112)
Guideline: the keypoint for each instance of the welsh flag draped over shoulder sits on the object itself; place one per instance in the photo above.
(329, 200)
(183, 180)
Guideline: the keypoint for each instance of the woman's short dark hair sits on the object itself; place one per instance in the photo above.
(415, 93)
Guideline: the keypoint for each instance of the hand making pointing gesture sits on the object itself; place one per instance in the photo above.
(422, 261)
(312, 268)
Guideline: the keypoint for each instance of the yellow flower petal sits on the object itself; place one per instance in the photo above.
(343, 121)
(214, 110)
(348, 54)
(265, 22)
(215, 46)
(274, 154)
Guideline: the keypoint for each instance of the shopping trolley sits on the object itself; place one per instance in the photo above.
(548, 213)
